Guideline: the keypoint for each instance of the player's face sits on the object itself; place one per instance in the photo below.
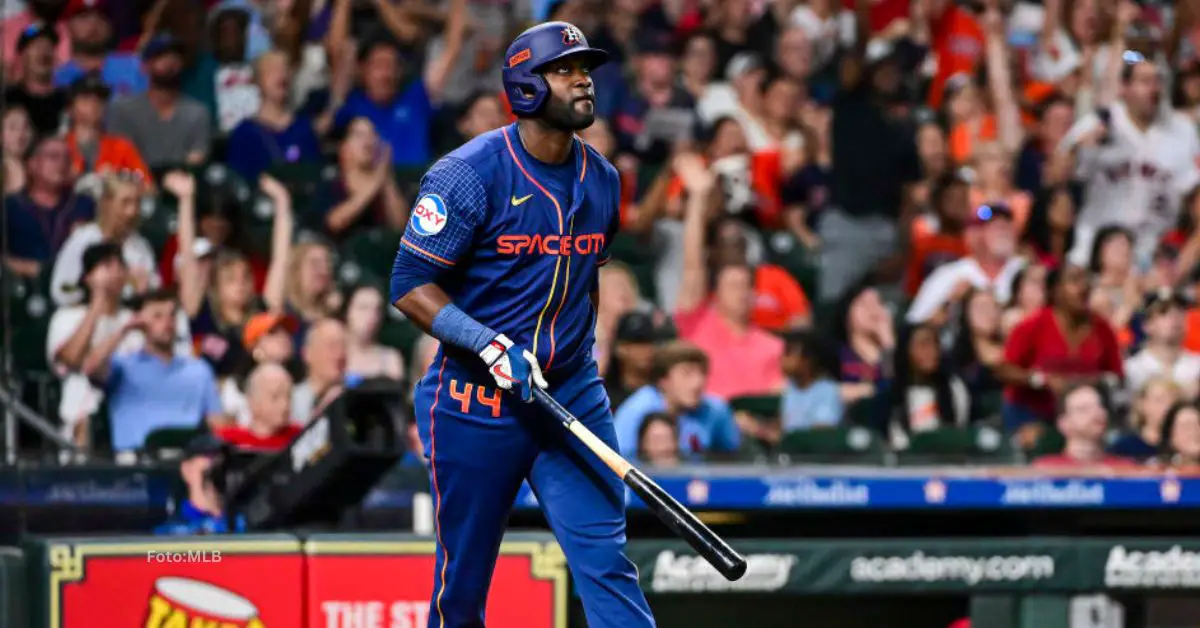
(571, 105)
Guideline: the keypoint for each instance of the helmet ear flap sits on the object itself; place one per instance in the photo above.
(526, 91)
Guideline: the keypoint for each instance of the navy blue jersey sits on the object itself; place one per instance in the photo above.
(517, 243)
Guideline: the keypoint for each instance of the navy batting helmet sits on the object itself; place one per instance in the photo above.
(533, 50)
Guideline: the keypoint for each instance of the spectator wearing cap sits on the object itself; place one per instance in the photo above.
(366, 357)
(365, 193)
(41, 216)
(859, 232)
(116, 223)
(34, 13)
(92, 54)
(1083, 422)
(76, 329)
(200, 511)
(991, 265)
(1061, 345)
(399, 106)
(269, 399)
(93, 150)
(237, 95)
(35, 90)
(274, 135)
(705, 423)
(655, 112)
(17, 138)
(940, 239)
(1163, 352)
(740, 93)
(221, 301)
(154, 387)
(167, 127)
(638, 336)
(811, 397)
(324, 357)
(266, 338)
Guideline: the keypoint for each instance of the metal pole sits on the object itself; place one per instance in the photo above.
(6, 367)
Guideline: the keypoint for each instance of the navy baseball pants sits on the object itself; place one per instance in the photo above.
(481, 445)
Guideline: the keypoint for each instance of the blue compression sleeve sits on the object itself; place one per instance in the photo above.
(452, 326)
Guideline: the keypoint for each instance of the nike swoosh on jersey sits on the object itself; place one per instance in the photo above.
(517, 201)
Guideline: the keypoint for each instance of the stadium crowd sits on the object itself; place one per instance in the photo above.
(892, 217)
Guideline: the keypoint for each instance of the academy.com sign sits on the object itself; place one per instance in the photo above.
(919, 567)
(1170, 568)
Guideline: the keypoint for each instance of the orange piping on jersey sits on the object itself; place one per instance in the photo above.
(566, 287)
(437, 510)
(583, 149)
(409, 244)
(557, 262)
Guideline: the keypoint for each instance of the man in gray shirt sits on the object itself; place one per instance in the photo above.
(167, 127)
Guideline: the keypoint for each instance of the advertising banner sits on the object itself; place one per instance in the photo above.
(386, 582)
(167, 583)
(867, 566)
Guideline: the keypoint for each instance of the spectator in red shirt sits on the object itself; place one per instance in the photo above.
(1083, 420)
(269, 396)
(1060, 346)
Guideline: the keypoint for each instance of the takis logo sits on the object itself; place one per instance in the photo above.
(186, 602)
(429, 216)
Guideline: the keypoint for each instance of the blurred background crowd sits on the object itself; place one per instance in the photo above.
(850, 228)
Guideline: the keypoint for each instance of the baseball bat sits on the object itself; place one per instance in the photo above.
(713, 548)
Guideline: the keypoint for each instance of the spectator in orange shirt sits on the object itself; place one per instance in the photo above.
(93, 150)
(269, 396)
(939, 239)
(1083, 421)
(995, 114)
(958, 43)
(779, 302)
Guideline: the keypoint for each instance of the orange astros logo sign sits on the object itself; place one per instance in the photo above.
(188, 603)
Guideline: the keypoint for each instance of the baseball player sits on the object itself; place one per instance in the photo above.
(1138, 159)
(500, 262)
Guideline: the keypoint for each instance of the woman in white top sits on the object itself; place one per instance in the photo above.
(116, 221)
(365, 357)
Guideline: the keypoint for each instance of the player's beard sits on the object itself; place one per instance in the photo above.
(563, 116)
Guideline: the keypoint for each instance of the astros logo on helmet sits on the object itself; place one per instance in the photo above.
(571, 35)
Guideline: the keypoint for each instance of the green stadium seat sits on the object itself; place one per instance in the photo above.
(640, 258)
(958, 445)
(159, 219)
(305, 182)
(765, 406)
(30, 308)
(834, 445)
(1050, 442)
(785, 250)
(169, 438)
(367, 257)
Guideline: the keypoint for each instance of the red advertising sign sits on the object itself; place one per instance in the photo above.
(387, 584)
(242, 583)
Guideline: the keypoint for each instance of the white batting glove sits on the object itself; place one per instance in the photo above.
(514, 368)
